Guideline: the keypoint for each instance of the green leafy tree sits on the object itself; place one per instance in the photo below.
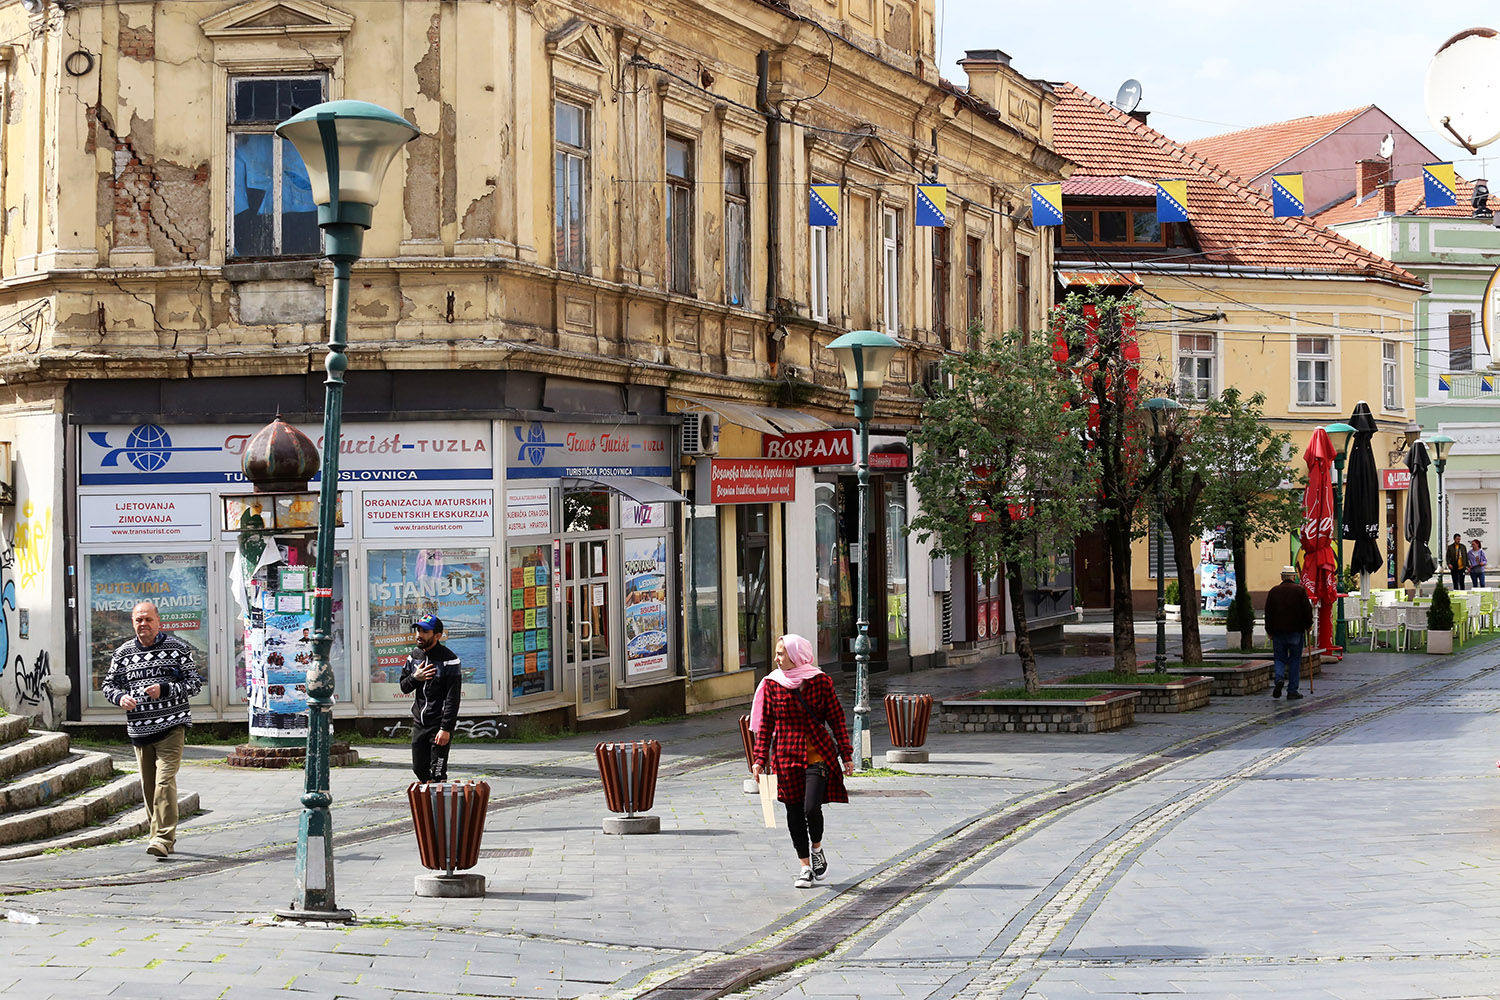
(1001, 470)
(1182, 511)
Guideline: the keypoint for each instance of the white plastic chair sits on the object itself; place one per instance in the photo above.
(1354, 616)
(1413, 619)
(1385, 618)
(1475, 604)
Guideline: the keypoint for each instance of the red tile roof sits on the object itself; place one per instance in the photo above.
(1410, 200)
(1084, 186)
(1233, 223)
(1250, 152)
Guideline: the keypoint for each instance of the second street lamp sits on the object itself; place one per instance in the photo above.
(1441, 445)
(864, 355)
(347, 146)
(1160, 408)
(1341, 629)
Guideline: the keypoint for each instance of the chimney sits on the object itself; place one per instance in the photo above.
(1388, 198)
(983, 68)
(1369, 175)
(1139, 115)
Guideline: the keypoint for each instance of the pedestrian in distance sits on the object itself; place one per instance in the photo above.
(1289, 614)
(1457, 561)
(433, 678)
(1477, 562)
(152, 676)
(800, 735)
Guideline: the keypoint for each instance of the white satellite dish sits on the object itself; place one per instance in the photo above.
(1388, 145)
(1462, 93)
(1128, 98)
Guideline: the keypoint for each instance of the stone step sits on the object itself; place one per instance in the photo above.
(74, 773)
(70, 814)
(122, 826)
(39, 750)
(13, 727)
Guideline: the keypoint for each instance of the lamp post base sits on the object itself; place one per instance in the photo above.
(316, 916)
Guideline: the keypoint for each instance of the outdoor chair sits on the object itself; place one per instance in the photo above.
(1355, 615)
(1487, 610)
(1475, 603)
(1413, 620)
(1385, 618)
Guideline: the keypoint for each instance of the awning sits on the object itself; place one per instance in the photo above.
(636, 488)
(1118, 279)
(766, 419)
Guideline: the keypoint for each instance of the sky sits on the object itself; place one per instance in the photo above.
(1207, 68)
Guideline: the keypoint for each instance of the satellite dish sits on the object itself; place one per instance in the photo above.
(34, 6)
(1462, 92)
(1129, 96)
(1388, 145)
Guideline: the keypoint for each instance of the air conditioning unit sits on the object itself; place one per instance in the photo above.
(700, 434)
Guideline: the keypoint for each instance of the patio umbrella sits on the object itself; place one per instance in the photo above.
(1419, 566)
(1319, 564)
(1362, 495)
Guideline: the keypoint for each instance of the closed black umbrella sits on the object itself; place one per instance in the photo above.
(1362, 495)
(1419, 566)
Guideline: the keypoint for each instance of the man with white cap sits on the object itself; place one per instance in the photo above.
(1289, 614)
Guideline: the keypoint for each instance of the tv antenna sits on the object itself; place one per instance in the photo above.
(1128, 98)
(1462, 92)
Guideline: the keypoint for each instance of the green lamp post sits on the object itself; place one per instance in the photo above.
(1161, 408)
(1341, 628)
(864, 355)
(347, 146)
(1441, 445)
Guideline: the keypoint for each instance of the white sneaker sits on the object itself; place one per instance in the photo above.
(805, 880)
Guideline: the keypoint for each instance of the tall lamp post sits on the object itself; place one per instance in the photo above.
(1341, 627)
(1441, 445)
(864, 356)
(347, 146)
(1160, 408)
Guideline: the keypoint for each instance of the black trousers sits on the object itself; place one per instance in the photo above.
(428, 760)
(804, 820)
(1458, 578)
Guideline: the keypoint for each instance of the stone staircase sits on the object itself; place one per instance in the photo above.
(54, 798)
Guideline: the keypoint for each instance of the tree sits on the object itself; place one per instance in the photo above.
(1183, 490)
(1000, 468)
(1248, 480)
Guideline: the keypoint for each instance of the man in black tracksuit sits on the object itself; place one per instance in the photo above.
(432, 672)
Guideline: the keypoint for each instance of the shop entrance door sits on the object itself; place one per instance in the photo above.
(588, 639)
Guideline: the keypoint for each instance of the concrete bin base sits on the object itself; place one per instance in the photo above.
(752, 787)
(632, 824)
(895, 756)
(457, 885)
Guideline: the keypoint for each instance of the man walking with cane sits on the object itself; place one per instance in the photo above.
(1289, 614)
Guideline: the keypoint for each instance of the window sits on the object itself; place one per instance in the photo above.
(1314, 370)
(1023, 296)
(570, 158)
(273, 210)
(1390, 375)
(736, 233)
(940, 267)
(818, 270)
(679, 216)
(1195, 366)
(1460, 341)
(973, 285)
(453, 583)
(1119, 226)
(1153, 567)
(890, 269)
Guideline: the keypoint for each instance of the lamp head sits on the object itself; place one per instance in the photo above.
(1441, 445)
(348, 146)
(864, 355)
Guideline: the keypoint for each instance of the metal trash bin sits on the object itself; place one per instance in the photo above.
(449, 818)
(907, 716)
(628, 771)
(752, 787)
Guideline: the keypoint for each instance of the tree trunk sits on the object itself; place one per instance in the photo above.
(1023, 631)
(1237, 547)
(1182, 559)
(1122, 604)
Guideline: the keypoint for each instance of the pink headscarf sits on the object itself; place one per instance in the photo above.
(804, 665)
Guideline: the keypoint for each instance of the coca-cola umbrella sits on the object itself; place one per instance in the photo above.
(1419, 566)
(1362, 495)
(1319, 564)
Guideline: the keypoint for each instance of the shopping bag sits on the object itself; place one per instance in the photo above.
(768, 799)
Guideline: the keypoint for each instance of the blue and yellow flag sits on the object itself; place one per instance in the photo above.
(932, 205)
(1046, 205)
(1445, 384)
(1439, 187)
(1486, 383)
(823, 205)
(1286, 195)
(1171, 201)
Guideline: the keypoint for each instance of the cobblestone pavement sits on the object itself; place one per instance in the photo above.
(1341, 847)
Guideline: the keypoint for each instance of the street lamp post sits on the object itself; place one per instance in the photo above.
(1341, 627)
(347, 146)
(1441, 445)
(864, 356)
(1160, 407)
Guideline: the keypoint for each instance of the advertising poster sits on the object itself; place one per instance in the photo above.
(1216, 572)
(176, 582)
(645, 604)
(281, 651)
(404, 585)
(530, 620)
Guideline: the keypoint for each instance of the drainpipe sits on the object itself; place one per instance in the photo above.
(773, 176)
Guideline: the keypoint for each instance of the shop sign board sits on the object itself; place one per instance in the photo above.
(750, 480)
(890, 460)
(812, 448)
(183, 517)
(393, 513)
(528, 512)
(549, 450)
(1395, 479)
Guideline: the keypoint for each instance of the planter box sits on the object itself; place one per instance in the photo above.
(1234, 679)
(1440, 641)
(1174, 612)
(1099, 714)
(1183, 695)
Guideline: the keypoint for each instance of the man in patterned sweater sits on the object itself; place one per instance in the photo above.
(152, 677)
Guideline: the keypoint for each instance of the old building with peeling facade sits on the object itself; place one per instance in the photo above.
(600, 237)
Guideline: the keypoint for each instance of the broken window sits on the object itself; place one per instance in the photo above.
(569, 161)
(679, 215)
(272, 208)
(736, 232)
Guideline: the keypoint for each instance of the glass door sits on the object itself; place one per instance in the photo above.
(588, 642)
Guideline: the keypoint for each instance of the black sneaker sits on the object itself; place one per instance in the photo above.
(819, 864)
(1276, 691)
(1294, 696)
(804, 880)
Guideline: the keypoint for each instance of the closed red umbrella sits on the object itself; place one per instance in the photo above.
(1319, 564)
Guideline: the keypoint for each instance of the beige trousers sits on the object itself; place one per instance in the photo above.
(159, 762)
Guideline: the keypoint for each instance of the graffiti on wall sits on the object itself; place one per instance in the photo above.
(24, 554)
(32, 683)
(32, 545)
(474, 729)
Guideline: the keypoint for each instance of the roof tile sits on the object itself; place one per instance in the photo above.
(1250, 152)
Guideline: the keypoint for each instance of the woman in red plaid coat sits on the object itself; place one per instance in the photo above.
(788, 717)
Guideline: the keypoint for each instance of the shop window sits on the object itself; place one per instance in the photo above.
(644, 562)
(272, 208)
(897, 585)
(753, 585)
(531, 664)
(679, 216)
(176, 582)
(835, 584)
(570, 184)
(705, 609)
(404, 585)
(585, 510)
(736, 232)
